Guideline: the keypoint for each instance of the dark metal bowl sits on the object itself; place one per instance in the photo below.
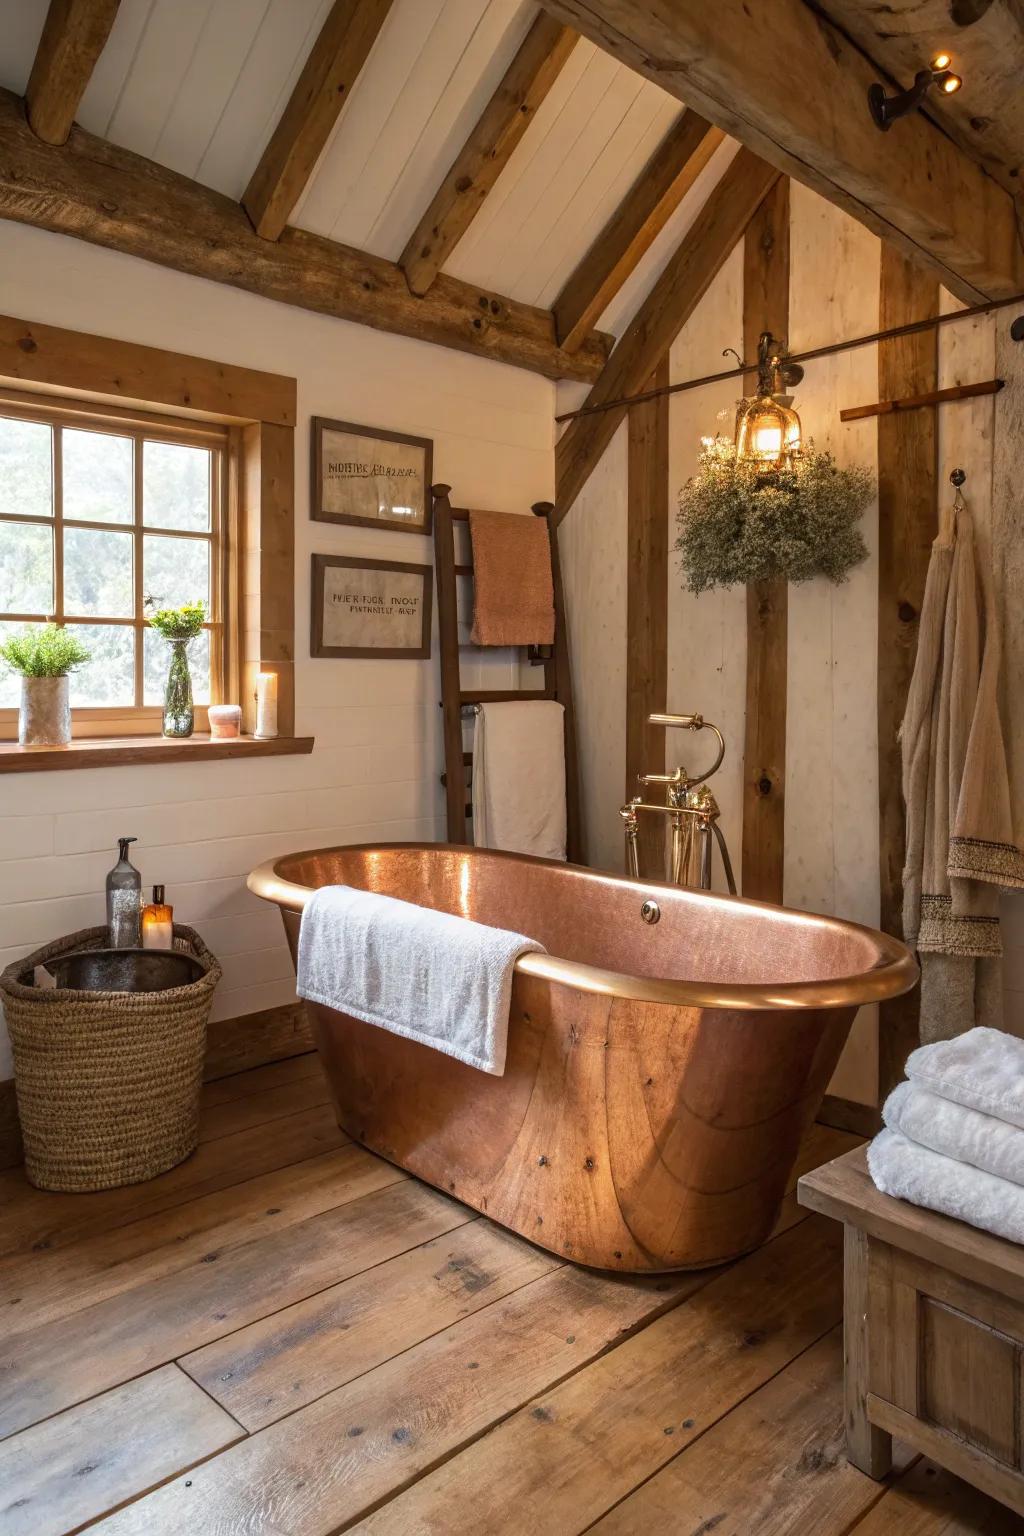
(125, 970)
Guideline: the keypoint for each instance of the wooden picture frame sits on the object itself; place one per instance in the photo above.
(357, 611)
(357, 471)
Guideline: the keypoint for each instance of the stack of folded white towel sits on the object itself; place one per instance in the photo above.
(954, 1136)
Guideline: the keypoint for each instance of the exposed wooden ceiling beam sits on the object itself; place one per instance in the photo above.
(112, 197)
(791, 86)
(73, 37)
(660, 318)
(634, 226)
(486, 152)
(986, 40)
(321, 91)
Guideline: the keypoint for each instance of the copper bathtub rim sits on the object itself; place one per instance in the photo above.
(894, 973)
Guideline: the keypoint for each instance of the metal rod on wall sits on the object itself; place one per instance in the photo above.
(910, 329)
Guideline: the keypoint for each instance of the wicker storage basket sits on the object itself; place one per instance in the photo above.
(107, 1082)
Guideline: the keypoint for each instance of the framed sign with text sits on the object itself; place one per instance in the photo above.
(370, 607)
(371, 478)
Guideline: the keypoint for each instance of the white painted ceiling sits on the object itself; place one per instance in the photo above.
(199, 84)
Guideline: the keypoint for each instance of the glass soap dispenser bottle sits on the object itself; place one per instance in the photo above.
(158, 922)
(124, 901)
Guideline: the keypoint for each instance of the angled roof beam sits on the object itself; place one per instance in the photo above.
(633, 227)
(486, 152)
(660, 318)
(792, 87)
(112, 197)
(321, 91)
(73, 37)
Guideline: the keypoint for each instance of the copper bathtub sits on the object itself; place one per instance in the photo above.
(660, 1074)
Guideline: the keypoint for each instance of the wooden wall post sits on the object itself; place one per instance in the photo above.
(647, 604)
(765, 308)
(907, 518)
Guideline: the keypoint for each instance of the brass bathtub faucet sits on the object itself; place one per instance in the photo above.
(693, 812)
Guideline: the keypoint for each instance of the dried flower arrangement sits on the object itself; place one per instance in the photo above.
(740, 522)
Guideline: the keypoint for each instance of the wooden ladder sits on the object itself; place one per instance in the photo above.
(557, 679)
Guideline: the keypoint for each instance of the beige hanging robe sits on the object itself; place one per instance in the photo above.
(960, 846)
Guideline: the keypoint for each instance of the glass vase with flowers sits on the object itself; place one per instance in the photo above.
(179, 627)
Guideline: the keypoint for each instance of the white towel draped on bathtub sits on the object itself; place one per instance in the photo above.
(911, 1172)
(441, 980)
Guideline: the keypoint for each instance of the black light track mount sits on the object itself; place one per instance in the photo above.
(886, 110)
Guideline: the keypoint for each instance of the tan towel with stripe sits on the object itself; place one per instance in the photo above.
(960, 846)
(514, 594)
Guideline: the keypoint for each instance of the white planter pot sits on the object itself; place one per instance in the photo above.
(44, 719)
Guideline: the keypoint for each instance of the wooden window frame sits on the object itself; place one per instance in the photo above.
(77, 375)
(137, 718)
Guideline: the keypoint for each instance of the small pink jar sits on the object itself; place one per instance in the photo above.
(225, 721)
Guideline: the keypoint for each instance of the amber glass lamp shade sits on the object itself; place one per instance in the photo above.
(768, 432)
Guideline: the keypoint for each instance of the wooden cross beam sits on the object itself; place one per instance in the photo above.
(634, 226)
(322, 89)
(112, 197)
(486, 152)
(671, 302)
(74, 35)
(792, 87)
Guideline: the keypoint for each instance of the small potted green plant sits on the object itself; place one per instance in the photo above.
(45, 656)
(179, 627)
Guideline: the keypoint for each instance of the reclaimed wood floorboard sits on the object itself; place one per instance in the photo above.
(287, 1336)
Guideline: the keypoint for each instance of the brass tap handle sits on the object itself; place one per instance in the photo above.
(677, 776)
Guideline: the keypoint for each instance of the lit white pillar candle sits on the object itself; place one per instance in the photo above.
(266, 705)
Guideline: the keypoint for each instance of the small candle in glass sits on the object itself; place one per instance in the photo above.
(266, 705)
(225, 721)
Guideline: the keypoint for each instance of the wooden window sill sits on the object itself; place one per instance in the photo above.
(112, 751)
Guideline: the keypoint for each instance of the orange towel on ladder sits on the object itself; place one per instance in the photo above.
(514, 595)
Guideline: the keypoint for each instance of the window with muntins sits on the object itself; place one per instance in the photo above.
(103, 519)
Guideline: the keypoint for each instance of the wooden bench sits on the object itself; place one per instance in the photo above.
(934, 1334)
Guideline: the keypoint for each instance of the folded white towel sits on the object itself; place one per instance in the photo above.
(983, 1069)
(900, 1167)
(519, 778)
(432, 977)
(956, 1131)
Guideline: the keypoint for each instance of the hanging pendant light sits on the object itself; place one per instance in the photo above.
(767, 427)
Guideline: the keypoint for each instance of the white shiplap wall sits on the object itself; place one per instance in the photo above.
(374, 772)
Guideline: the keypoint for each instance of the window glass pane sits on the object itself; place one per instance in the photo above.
(176, 487)
(10, 682)
(26, 467)
(97, 471)
(26, 568)
(156, 658)
(98, 573)
(108, 678)
(176, 571)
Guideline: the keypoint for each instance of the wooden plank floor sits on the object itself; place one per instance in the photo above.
(287, 1336)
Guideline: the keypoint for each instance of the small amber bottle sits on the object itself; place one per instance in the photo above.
(158, 922)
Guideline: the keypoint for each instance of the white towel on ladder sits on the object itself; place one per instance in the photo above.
(519, 778)
(441, 980)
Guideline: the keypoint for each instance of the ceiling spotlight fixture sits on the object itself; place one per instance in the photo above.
(886, 109)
